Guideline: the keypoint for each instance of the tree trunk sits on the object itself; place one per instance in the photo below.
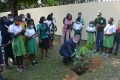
(14, 10)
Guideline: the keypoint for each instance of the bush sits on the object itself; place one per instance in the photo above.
(85, 59)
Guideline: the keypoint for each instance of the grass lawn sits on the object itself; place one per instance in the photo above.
(52, 68)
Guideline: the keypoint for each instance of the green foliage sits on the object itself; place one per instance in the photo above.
(26, 2)
(51, 2)
(83, 55)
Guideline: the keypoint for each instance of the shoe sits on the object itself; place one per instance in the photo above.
(8, 67)
(22, 67)
(36, 62)
(32, 64)
(20, 70)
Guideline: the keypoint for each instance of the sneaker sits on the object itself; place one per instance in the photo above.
(20, 70)
(22, 67)
(36, 62)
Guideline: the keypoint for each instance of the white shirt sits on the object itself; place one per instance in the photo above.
(77, 26)
(54, 20)
(49, 23)
(15, 29)
(109, 29)
(29, 32)
(91, 29)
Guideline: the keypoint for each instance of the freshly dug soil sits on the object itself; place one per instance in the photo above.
(79, 71)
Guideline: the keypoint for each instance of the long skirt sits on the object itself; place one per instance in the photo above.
(18, 46)
(108, 41)
(90, 37)
(31, 46)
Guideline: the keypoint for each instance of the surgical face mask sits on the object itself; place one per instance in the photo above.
(110, 22)
(23, 19)
(91, 25)
(11, 19)
(31, 26)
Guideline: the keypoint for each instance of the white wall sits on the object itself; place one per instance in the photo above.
(89, 11)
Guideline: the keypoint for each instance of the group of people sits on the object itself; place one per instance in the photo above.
(18, 38)
(105, 35)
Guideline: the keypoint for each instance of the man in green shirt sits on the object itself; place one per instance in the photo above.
(100, 23)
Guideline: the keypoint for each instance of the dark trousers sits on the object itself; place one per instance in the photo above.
(19, 60)
(8, 54)
(99, 40)
(66, 60)
(1, 57)
(117, 42)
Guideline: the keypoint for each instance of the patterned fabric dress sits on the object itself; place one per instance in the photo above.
(43, 34)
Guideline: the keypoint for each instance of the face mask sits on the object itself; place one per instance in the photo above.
(110, 22)
(91, 25)
(23, 19)
(31, 26)
(11, 19)
(79, 15)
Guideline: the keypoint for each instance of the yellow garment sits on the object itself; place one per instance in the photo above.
(24, 26)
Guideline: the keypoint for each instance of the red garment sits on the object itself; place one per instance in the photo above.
(118, 30)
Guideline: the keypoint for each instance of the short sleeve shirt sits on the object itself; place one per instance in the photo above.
(91, 29)
(77, 26)
(29, 32)
(15, 29)
(100, 21)
(109, 29)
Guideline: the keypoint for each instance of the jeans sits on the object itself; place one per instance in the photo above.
(1, 57)
(99, 40)
(117, 42)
